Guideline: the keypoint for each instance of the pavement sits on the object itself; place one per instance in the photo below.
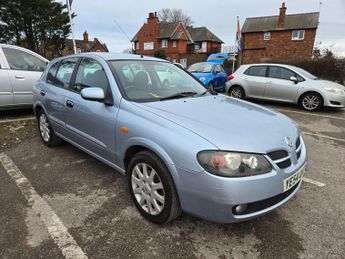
(62, 203)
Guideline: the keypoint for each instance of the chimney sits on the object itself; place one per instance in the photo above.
(282, 13)
(152, 18)
(86, 36)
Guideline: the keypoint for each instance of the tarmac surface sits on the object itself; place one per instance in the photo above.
(90, 202)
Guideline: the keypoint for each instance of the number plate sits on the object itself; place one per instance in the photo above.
(294, 179)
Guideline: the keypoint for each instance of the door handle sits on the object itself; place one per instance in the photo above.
(19, 77)
(69, 104)
(43, 93)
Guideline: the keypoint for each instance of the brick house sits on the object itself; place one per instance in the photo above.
(182, 45)
(280, 37)
(84, 45)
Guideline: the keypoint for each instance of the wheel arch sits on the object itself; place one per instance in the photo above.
(310, 92)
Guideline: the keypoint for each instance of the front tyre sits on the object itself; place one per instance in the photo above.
(152, 188)
(46, 132)
(311, 101)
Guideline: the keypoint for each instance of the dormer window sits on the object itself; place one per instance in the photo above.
(267, 35)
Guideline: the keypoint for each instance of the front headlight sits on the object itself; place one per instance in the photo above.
(202, 79)
(232, 164)
(334, 90)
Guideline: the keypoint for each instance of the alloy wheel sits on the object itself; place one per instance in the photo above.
(148, 189)
(44, 128)
(310, 102)
(236, 93)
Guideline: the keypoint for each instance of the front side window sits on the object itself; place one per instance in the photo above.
(51, 76)
(21, 60)
(256, 71)
(164, 43)
(65, 72)
(267, 35)
(218, 69)
(281, 73)
(298, 35)
(90, 74)
(155, 81)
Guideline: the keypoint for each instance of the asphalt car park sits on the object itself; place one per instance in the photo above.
(93, 215)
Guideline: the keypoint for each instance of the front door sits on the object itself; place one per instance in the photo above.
(279, 86)
(25, 70)
(91, 124)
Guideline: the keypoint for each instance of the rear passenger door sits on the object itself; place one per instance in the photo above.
(25, 70)
(279, 86)
(6, 92)
(255, 80)
(91, 124)
(55, 90)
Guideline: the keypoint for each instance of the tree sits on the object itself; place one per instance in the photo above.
(160, 53)
(175, 15)
(39, 25)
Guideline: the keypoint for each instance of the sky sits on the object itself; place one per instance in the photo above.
(103, 18)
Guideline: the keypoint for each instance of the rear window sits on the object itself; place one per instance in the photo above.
(256, 71)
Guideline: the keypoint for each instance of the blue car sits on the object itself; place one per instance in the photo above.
(117, 108)
(211, 74)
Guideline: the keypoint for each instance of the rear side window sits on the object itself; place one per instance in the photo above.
(281, 73)
(65, 72)
(90, 74)
(21, 60)
(256, 71)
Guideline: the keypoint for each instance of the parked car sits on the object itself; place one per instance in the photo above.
(176, 158)
(168, 77)
(286, 84)
(19, 70)
(211, 74)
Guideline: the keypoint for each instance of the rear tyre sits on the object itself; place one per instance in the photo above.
(46, 132)
(311, 101)
(236, 92)
(211, 86)
(152, 188)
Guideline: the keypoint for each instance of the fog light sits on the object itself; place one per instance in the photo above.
(239, 209)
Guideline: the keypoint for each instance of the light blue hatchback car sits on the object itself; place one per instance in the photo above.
(233, 165)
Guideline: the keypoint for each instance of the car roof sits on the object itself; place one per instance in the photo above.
(268, 64)
(115, 56)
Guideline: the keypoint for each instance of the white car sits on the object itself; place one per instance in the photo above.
(285, 83)
(19, 70)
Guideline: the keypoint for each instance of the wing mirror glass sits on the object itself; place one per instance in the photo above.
(93, 94)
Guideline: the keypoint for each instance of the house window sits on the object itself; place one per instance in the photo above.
(298, 35)
(174, 44)
(164, 43)
(137, 45)
(197, 47)
(204, 47)
(267, 35)
(78, 50)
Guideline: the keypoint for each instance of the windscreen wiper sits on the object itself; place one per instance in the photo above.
(179, 95)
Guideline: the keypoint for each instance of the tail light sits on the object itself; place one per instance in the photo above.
(231, 77)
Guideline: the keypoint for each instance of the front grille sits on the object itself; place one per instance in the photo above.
(264, 204)
(282, 158)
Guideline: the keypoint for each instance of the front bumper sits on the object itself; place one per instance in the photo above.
(335, 100)
(213, 198)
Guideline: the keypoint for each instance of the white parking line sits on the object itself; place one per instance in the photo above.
(319, 184)
(322, 136)
(54, 225)
(15, 120)
(311, 114)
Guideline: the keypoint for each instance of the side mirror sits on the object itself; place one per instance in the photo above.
(294, 79)
(93, 94)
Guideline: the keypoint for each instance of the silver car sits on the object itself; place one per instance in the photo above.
(234, 164)
(19, 70)
(286, 84)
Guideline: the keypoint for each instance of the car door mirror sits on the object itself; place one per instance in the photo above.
(93, 94)
(294, 79)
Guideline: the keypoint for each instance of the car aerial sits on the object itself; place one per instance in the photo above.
(176, 158)
(211, 74)
(285, 83)
(19, 69)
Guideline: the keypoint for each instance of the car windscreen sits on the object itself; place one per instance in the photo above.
(305, 73)
(201, 68)
(148, 81)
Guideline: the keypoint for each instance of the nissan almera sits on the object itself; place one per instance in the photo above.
(182, 147)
